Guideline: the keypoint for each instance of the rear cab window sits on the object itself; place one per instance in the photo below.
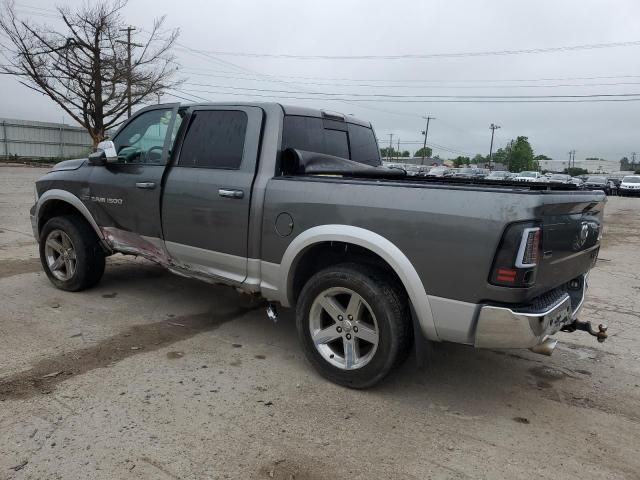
(330, 137)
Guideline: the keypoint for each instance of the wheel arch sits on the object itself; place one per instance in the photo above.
(366, 242)
(55, 202)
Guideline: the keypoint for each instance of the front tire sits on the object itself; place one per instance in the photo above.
(71, 254)
(354, 324)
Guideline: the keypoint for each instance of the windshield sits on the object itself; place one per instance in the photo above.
(631, 179)
(498, 174)
(467, 170)
(597, 180)
(529, 174)
(438, 169)
(560, 177)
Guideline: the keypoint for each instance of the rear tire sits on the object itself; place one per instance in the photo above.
(354, 324)
(71, 254)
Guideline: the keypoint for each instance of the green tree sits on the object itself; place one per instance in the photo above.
(479, 159)
(541, 157)
(519, 155)
(575, 171)
(624, 164)
(406, 153)
(427, 152)
(500, 155)
(460, 161)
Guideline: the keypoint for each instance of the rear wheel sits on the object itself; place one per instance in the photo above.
(354, 324)
(70, 253)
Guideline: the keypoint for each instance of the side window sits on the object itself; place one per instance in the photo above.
(142, 140)
(215, 139)
(364, 147)
(309, 133)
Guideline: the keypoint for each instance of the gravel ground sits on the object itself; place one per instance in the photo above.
(150, 375)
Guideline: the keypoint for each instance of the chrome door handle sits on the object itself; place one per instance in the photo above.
(229, 193)
(147, 185)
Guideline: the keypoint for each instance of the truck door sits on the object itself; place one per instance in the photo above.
(207, 194)
(124, 197)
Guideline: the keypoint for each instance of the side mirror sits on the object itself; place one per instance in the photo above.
(105, 153)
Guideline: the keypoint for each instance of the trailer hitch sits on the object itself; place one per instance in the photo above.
(600, 334)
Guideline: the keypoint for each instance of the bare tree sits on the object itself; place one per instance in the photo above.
(85, 66)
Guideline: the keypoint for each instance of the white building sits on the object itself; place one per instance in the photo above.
(592, 166)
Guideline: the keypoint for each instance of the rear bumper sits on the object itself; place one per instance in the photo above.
(528, 326)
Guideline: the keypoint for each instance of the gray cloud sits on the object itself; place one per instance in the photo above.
(375, 27)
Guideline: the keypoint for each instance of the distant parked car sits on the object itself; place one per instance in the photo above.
(630, 185)
(499, 175)
(441, 171)
(471, 172)
(529, 177)
(577, 181)
(412, 170)
(560, 178)
(601, 183)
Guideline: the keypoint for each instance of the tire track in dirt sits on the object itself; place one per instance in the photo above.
(14, 266)
(47, 373)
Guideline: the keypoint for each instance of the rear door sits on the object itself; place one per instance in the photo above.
(124, 197)
(207, 194)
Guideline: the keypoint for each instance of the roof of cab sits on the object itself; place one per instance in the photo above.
(291, 110)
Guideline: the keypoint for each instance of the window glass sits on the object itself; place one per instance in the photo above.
(336, 143)
(312, 134)
(303, 133)
(142, 140)
(364, 147)
(215, 139)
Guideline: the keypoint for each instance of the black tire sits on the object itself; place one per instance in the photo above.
(387, 301)
(90, 257)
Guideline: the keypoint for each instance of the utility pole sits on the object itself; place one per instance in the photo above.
(398, 148)
(129, 67)
(633, 158)
(390, 146)
(572, 159)
(493, 128)
(425, 133)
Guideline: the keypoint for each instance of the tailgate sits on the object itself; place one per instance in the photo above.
(571, 232)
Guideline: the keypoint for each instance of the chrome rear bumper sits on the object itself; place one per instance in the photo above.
(503, 327)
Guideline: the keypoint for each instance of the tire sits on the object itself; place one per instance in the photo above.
(71, 242)
(384, 310)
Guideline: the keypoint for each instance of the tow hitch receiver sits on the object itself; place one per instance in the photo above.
(601, 334)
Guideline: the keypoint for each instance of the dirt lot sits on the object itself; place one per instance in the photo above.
(154, 376)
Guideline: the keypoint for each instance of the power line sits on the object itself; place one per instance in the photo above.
(630, 97)
(388, 95)
(421, 56)
(433, 85)
(412, 80)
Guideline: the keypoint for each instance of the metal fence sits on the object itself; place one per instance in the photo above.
(26, 139)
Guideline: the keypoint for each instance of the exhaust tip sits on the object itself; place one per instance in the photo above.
(546, 347)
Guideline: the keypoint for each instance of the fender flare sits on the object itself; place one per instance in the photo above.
(70, 198)
(372, 241)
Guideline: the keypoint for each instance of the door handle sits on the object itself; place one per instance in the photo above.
(147, 185)
(230, 193)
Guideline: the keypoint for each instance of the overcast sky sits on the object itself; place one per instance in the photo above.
(375, 27)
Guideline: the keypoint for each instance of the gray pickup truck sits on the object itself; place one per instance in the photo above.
(294, 205)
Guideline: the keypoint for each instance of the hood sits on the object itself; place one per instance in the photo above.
(69, 164)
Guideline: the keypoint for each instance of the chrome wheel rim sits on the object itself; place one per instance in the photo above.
(343, 328)
(60, 255)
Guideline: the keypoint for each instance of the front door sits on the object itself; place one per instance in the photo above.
(207, 194)
(124, 197)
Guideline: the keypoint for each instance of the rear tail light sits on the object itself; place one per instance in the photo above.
(517, 258)
(528, 253)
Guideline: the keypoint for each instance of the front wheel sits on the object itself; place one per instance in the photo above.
(354, 324)
(70, 253)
